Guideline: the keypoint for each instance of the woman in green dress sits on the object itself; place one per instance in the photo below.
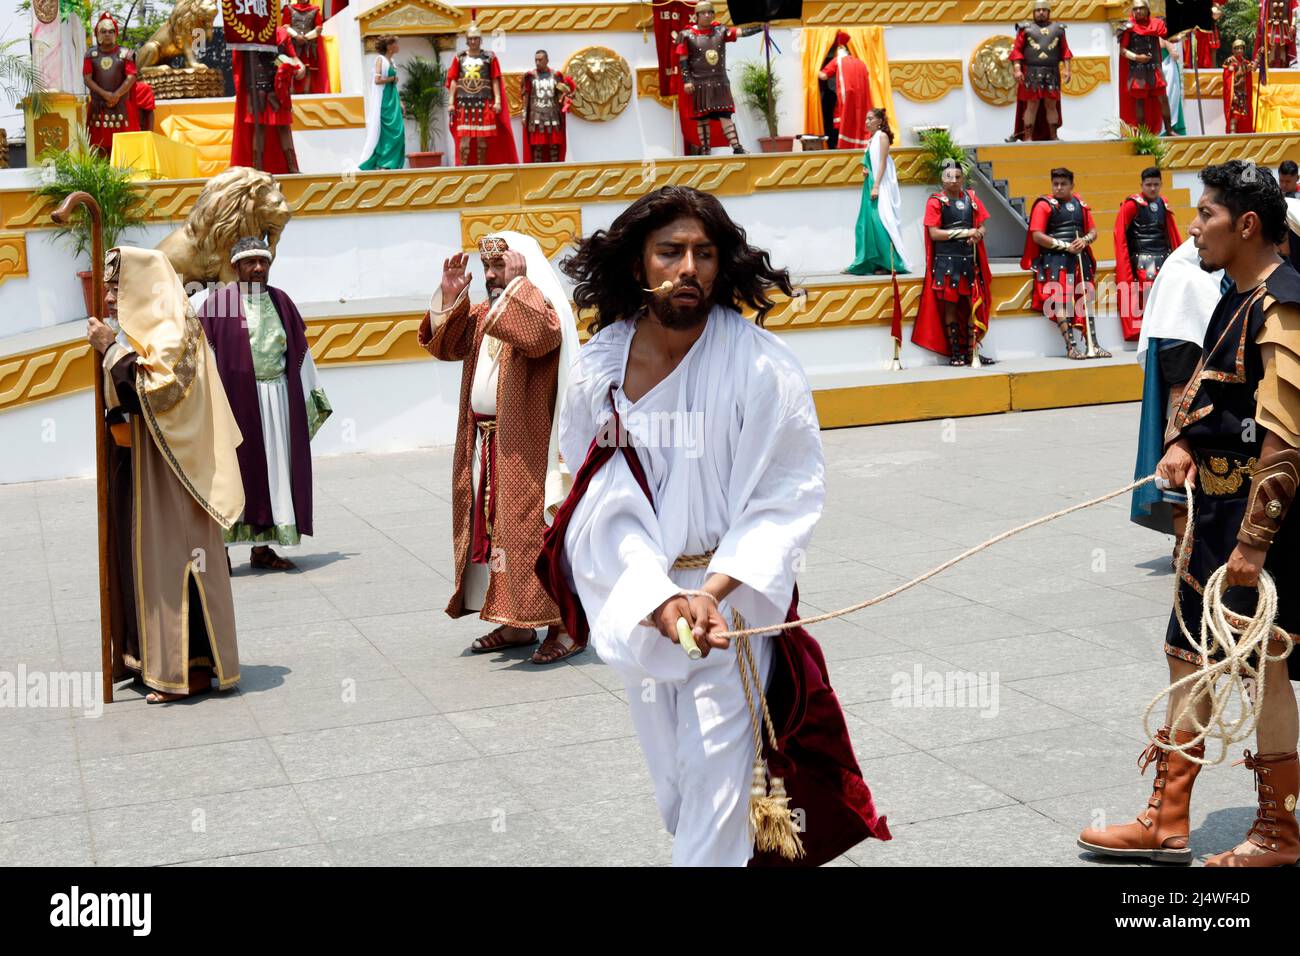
(879, 234)
(385, 129)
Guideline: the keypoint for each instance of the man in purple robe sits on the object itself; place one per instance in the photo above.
(270, 379)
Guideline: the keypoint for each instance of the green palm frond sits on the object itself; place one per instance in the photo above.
(1240, 21)
(1145, 142)
(756, 93)
(938, 145)
(19, 77)
(424, 94)
(78, 168)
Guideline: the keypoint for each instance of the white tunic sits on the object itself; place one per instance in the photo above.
(482, 401)
(730, 445)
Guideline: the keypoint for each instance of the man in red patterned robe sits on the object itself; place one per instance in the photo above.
(507, 475)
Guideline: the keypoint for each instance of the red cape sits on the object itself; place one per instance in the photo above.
(1127, 102)
(1261, 31)
(241, 144)
(1207, 41)
(852, 100)
(525, 88)
(1248, 124)
(1038, 215)
(318, 73)
(1130, 318)
(927, 330)
(814, 755)
(1042, 128)
(501, 147)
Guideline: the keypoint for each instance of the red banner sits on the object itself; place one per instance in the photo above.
(250, 24)
(670, 18)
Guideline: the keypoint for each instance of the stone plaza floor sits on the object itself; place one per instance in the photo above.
(364, 733)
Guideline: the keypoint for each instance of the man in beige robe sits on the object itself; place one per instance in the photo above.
(507, 475)
(183, 478)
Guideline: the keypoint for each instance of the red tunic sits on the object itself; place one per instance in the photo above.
(1129, 95)
(1242, 108)
(139, 97)
(556, 137)
(501, 142)
(1018, 54)
(241, 146)
(927, 330)
(1207, 41)
(852, 100)
(1044, 292)
(1132, 288)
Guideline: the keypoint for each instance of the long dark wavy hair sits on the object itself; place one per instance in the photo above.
(608, 265)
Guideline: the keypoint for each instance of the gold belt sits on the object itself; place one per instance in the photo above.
(687, 561)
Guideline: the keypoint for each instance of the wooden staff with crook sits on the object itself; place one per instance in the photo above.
(62, 216)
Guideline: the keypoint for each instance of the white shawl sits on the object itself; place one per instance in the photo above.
(1181, 300)
(374, 107)
(890, 204)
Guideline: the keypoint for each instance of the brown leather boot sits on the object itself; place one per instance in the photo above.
(1277, 781)
(1161, 831)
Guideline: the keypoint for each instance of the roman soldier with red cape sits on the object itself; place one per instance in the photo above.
(480, 111)
(1275, 35)
(1206, 42)
(1041, 56)
(1143, 98)
(305, 22)
(109, 70)
(1238, 91)
(852, 94)
(1060, 274)
(957, 275)
(268, 105)
(1145, 235)
(548, 97)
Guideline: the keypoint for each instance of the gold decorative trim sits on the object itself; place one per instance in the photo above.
(336, 112)
(514, 84)
(508, 187)
(1086, 74)
(847, 12)
(45, 373)
(1002, 11)
(553, 228)
(1211, 85)
(13, 255)
(412, 17)
(925, 80)
(1197, 152)
(647, 85)
(563, 18)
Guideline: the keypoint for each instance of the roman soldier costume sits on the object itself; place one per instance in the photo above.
(1040, 48)
(1057, 271)
(480, 112)
(1276, 33)
(109, 69)
(1142, 82)
(304, 20)
(704, 65)
(547, 95)
(1238, 91)
(955, 270)
(1145, 235)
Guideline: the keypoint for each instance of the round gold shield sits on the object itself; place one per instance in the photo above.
(991, 74)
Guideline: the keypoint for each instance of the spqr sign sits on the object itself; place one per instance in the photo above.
(250, 24)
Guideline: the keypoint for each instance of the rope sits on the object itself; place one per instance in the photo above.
(807, 621)
(1240, 639)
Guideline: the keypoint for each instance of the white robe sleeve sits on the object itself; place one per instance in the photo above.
(616, 562)
(777, 488)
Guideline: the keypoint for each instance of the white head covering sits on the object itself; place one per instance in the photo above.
(541, 273)
(1181, 300)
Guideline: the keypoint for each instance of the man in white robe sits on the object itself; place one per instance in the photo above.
(701, 483)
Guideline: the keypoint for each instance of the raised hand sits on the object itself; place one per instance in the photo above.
(455, 277)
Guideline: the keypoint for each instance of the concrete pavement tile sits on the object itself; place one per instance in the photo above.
(916, 786)
(369, 748)
(180, 773)
(48, 841)
(544, 723)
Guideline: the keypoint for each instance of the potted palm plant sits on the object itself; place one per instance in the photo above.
(937, 146)
(760, 92)
(424, 96)
(121, 202)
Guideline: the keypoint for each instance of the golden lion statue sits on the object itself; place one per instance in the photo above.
(177, 36)
(237, 203)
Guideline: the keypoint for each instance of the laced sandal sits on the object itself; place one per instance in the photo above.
(557, 646)
(496, 640)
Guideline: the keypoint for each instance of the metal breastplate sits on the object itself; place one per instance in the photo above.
(1144, 45)
(264, 67)
(474, 85)
(1044, 45)
(708, 55)
(108, 70)
(1278, 11)
(1146, 233)
(543, 108)
(956, 214)
(304, 21)
(1066, 221)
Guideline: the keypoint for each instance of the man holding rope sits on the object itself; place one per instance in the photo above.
(701, 480)
(1235, 434)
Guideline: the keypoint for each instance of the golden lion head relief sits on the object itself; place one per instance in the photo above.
(239, 202)
(604, 82)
